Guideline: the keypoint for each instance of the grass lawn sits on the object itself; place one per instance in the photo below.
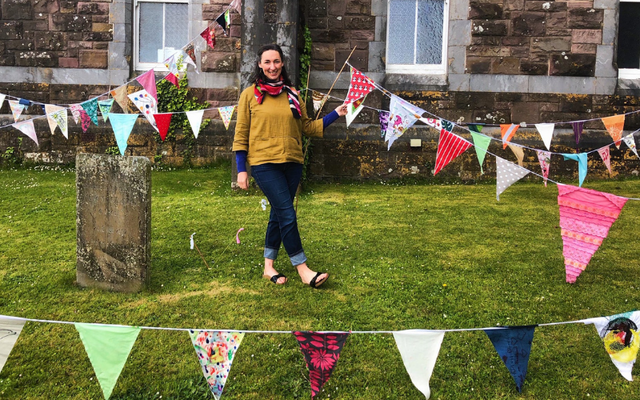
(401, 256)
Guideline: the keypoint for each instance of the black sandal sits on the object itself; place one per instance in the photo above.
(275, 278)
(315, 284)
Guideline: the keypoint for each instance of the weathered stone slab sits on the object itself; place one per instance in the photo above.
(113, 218)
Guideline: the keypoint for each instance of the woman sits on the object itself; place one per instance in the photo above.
(269, 128)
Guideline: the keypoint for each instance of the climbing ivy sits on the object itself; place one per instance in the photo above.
(305, 61)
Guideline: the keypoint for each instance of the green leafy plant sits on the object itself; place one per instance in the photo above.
(305, 61)
(13, 155)
(113, 150)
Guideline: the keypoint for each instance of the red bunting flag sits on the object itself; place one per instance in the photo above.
(173, 79)
(450, 146)
(209, 36)
(507, 133)
(163, 121)
(359, 87)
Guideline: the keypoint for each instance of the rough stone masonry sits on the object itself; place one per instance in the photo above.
(113, 217)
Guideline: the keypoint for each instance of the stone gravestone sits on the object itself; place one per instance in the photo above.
(113, 218)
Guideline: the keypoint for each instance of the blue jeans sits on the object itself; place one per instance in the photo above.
(279, 182)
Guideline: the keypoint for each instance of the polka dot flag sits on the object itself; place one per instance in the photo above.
(359, 87)
(507, 173)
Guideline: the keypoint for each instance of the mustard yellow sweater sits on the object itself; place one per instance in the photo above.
(268, 132)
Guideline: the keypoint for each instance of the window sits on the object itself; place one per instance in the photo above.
(162, 27)
(628, 43)
(416, 39)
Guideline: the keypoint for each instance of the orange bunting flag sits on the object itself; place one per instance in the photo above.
(614, 126)
(163, 121)
(507, 133)
(450, 146)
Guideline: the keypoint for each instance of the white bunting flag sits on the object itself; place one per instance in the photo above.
(27, 128)
(146, 104)
(16, 109)
(546, 133)
(419, 351)
(507, 173)
(353, 109)
(61, 120)
(630, 141)
(195, 119)
(9, 331)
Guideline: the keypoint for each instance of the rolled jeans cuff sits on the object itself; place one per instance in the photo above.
(271, 254)
(298, 259)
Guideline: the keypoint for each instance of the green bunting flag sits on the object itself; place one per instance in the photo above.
(91, 108)
(481, 144)
(108, 348)
(105, 108)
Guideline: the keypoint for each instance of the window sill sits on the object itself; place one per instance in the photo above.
(415, 82)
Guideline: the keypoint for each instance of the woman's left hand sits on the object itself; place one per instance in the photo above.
(341, 110)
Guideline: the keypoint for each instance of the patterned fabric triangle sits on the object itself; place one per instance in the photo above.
(630, 141)
(507, 174)
(146, 104)
(16, 109)
(105, 108)
(50, 109)
(10, 330)
(450, 146)
(507, 133)
(91, 108)
(513, 345)
(226, 113)
(321, 352)
(544, 158)
(209, 35)
(60, 117)
(28, 129)
(606, 157)
(360, 86)
(614, 125)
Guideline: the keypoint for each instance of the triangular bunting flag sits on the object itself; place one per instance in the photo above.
(544, 157)
(450, 146)
(513, 345)
(215, 351)
(507, 133)
(195, 119)
(621, 340)
(105, 108)
(223, 21)
(419, 351)
(171, 77)
(384, 117)
(122, 125)
(85, 120)
(163, 122)
(91, 108)
(577, 126)
(446, 125)
(60, 118)
(519, 153)
(507, 174)
(209, 35)
(432, 122)
(9, 331)
(546, 133)
(148, 82)
(27, 128)
(353, 109)
(403, 116)
(120, 96)
(582, 164)
(76, 109)
(189, 56)
(236, 5)
(2, 97)
(321, 352)
(359, 87)
(16, 109)
(318, 100)
(475, 127)
(614, 125)
(606, 157)
(50, 109)
(585, 218)
(631, 143)
(108, 348)
(226, 113)
(146, 104)
(171, 62)
(481, 144)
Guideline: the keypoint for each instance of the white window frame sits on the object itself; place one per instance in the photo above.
(628, 73)
(145, 66)
(427, 69)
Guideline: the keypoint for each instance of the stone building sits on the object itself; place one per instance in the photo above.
(468, 61)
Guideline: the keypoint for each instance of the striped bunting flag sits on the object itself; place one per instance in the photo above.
(450, 146)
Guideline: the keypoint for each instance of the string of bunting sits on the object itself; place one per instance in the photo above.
(108, 347)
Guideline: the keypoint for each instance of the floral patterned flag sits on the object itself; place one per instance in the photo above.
(209, 35)
(216, 350)
(91, 108)
(172, 62)
(403, 116)
(507, 173)
(544, 157)
(76, 110)
(226, 113)
(171, 77)
(546, 133)
(108, 348)
(60, 117)
(577, 126)
(120, 96)
(148, 82)
(195, 119)
(353, 109)
(450, 146)
(9, 331)
(621, 340)
(321, 352)
(163, 121)
(16, 109)
(85, 120)
(582, 165)
(631, 143)
(585, 218)
(146, 104)
(481, 144)
(419, 351)
(513, 345)
(105, 108)
(359, 87)
(189, 56)
(122, 125)
(27, 128)
(384, 122)
(519, 153)
(605, 154)
(507, 133)
(318, 100)
(614, 125)
(50, 109)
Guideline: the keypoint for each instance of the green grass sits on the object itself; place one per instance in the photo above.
(390, 249)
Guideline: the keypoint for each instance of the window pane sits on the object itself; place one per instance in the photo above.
(629, 36)
(401, 25)
(429, 42)
(150, 31)
(176, 25)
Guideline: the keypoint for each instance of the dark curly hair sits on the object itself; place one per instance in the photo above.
(259, 75)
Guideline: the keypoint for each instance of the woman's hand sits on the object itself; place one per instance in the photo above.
(341, 110)
(243, 180)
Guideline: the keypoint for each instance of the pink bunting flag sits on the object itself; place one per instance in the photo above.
(85, 120)
(544, 157)
(163, 121)
(148, 82)
(606, 157)
(585, 218)
(321, 352)
(507, 133)
(171, 77)
(27, 128)
(209, 35)
(238, 233)
(359, 87)
(16, 109)
(615, 125)
(76, 109)
(450, 146)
